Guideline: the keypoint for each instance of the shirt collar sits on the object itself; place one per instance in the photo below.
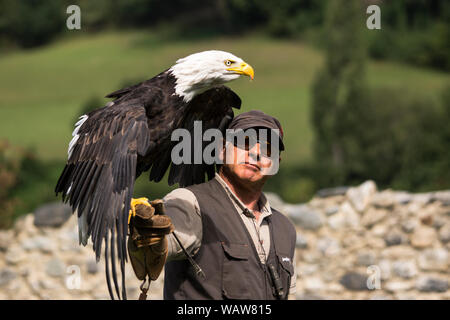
(242, 209)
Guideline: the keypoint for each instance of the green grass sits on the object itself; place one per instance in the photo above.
(42, 90)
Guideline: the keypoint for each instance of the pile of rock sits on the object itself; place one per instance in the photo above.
(357, 243)
(352, 243)
(40, 258)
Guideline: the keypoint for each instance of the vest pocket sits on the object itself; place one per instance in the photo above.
(235, 271)
(286, 272)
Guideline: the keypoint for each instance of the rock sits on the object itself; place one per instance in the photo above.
(309, 269)
(346, 217)
(15, 255)
(395, 238)
(41, 243)
(331, 192)
(304, 216)
(366, 259)
(301, 242)
(423, 237)
(385, 269)
(430, 284)
(402, 197)
(6, 275)
(52, 215)
(422, 198)
(444, 233)
(5, 239)
(409, 226)
(403, 252)
(405, 269)
(395, 286)
(328, 247)
(384, 200)
(308, 296)
(434, 259)
(275, 201)
(360, 197)
(372, 216)
(442, 196)
(313, 284)
(331, 210)
(55, 268)
(354, 281)
(92, 267)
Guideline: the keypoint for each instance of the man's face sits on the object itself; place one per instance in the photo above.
(250, 162)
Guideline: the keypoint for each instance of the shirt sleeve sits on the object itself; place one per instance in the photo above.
(293, 286)
(182, 207)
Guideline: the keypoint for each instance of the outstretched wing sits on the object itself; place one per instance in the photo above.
(214, 108)
(99, 177)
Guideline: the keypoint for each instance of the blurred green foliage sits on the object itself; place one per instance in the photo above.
(413, 31)
(24, 181)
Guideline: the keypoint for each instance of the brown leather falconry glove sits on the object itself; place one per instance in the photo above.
(147, 243)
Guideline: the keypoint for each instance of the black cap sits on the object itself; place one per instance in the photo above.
(256, 119)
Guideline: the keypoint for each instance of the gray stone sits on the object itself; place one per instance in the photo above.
(304, 216)
(52, 215)
(55, 268)
(354, 281)
(331, 210)
(422, 198)
(431, 284)
(331, 192)
(442, 196)
(301, 242)
(405, 269)
(366, 259)
(6, 275)
(444, 233)
(361, 196)
(92, 267)
(275, 200)
(395, 286)
(434, 259)
(402, 197)
(41, 243)
(309, 296)
(328, 247)
(394, 238)
(313, 284)
(5, 239)
(384, 200)
(409, 226)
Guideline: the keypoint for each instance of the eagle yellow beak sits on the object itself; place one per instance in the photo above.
(245, 69)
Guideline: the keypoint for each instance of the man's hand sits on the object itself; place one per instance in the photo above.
(147, 243)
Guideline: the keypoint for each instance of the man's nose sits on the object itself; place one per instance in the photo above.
(255, 153)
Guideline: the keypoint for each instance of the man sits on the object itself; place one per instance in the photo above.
(244, 247)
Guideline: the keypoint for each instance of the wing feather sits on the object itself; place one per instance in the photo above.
(99, 177)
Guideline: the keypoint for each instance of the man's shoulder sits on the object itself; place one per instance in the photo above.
(180, 194)
(283, 219)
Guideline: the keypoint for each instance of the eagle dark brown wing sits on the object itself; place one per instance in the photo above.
(99, 177)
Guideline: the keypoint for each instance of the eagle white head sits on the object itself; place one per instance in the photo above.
(201, 71)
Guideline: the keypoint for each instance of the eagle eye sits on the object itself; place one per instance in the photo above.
(228, 62)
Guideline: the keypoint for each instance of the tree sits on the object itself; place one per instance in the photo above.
(340, 94)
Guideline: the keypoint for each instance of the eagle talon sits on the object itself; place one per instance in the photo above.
(134, 203)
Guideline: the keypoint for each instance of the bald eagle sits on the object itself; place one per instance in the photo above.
(113, 145)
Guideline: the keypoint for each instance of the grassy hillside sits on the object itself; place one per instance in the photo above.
(41, 90)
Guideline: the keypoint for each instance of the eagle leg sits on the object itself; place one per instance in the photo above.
(134, 203)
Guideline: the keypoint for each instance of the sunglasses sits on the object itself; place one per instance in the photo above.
(265, 145)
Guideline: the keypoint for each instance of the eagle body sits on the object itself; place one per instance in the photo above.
(113, 145)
